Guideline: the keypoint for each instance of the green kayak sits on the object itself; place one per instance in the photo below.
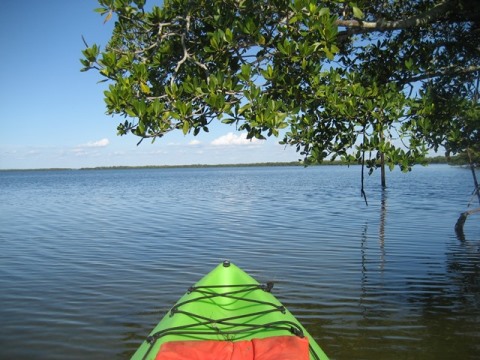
(229, 315)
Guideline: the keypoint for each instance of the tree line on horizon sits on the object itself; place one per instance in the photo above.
(457, 160)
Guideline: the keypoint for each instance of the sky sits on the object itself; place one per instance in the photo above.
(53, 116)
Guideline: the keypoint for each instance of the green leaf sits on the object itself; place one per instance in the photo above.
(409, 64)
(185, 127)
(357, 13)
(245, 72)
(130, 112)
(141, 127)
(100, 10)
(293, 20)
(228, 121)
(108, 17)
(328, 53)
(261, 39)
(144, 87)
(324, 11)
(228, 35)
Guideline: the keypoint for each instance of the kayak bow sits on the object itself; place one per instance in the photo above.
(228, 314)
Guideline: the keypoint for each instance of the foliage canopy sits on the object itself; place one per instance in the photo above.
(333, 78)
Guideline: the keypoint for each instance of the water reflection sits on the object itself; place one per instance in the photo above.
(463, 270)
(88, 256)
(363, 251)
(446, 299)
(381, 230)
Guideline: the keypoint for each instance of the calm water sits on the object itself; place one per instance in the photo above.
(90, 260)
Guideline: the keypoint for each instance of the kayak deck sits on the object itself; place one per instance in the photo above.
(226, 305)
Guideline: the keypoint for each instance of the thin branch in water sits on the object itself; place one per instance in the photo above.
(364, 195)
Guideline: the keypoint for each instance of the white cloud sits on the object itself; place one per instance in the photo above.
(233, 139)
(100, 143)
(194, 142)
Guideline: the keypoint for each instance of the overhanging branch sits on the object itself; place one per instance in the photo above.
(446, 10)
(449, 71)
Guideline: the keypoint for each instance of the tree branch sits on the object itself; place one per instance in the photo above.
(428, 17)
(452, 71)
(186, 54)
(461, 222)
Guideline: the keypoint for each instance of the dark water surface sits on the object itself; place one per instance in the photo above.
(90, 260)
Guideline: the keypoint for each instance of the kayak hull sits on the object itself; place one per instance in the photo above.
(226, 305)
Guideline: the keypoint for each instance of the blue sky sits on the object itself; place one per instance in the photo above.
(52, 115)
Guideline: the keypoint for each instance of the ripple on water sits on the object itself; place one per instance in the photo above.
(89, 261)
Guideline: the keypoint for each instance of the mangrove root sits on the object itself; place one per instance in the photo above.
(461, 221)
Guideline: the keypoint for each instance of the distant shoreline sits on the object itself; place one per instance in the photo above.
(432, 160)
(128, 167)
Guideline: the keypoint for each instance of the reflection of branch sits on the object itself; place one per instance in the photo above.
(381, 230)
(363, 250)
